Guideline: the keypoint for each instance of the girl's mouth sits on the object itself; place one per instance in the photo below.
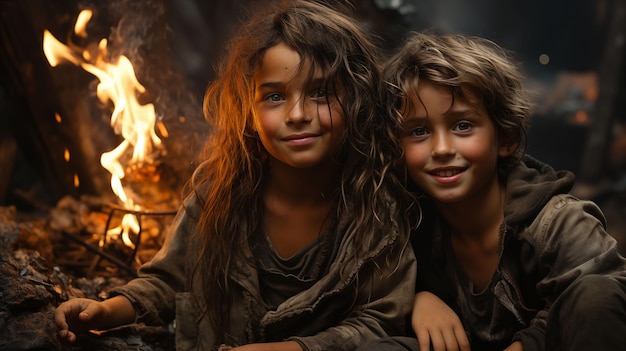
(300, 139)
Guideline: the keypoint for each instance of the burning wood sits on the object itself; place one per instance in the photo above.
(83, 247)
(40, 266)
(138, 154)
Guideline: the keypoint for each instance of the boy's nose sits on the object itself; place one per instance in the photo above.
(442, 145)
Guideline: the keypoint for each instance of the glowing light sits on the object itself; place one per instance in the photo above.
(581, 117)
(130, 119)
(80, 28)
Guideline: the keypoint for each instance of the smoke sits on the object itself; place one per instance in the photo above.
(140, 30)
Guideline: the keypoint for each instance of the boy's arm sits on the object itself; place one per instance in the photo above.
(516, 346)
(270, 346)
(434, 322)
(571, 241)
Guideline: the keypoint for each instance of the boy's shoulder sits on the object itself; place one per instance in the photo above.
(563, 214)
(567, 205)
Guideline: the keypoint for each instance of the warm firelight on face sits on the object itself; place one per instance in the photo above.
(130, 119)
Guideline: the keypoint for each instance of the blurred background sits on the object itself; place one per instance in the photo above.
(573, 53)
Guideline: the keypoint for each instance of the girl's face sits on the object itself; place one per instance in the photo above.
(451, 149)
(299, 124)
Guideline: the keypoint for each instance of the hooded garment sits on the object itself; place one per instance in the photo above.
(548, 240)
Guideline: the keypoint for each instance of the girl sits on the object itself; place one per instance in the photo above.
(519, 262)
(290, 239)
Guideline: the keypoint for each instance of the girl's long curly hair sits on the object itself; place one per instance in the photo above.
(234, 164)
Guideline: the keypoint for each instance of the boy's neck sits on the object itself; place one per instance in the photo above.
(475, 218)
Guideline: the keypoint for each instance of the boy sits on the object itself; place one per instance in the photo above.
(519, 263)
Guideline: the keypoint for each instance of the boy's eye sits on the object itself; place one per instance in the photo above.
(463, 126)
(418, 131)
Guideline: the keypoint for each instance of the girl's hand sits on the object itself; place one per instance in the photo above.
(81, 315)
(75, 316)
(435, 323)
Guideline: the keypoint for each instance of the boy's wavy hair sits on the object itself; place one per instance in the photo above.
(473, 68)
(232, 171)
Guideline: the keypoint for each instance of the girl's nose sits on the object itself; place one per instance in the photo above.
(297, 113)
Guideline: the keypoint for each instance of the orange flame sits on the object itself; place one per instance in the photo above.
(135, 122)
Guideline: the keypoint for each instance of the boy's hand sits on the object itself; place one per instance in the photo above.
(76, 316)
(516, 346)
(435, 323)
(270, 346)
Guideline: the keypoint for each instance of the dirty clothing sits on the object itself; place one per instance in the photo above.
(346, 303)
(560, 283)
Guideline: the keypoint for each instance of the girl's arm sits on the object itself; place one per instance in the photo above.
(386, 288)
(81, 315)
(153, 293)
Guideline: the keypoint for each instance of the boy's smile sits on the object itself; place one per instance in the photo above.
(447, 174)
(451, 148)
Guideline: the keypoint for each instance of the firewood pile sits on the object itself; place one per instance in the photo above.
(46, 259)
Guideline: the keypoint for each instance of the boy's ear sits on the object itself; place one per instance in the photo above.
(507, 149)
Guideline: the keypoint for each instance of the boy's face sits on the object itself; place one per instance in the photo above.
(451, 147)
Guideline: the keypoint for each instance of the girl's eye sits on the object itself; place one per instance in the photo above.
(321, 94)
(275, 97)
(463, 126)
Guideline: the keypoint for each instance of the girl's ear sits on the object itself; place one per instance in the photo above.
(507, 149)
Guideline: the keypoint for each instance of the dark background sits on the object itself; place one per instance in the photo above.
(573, 54)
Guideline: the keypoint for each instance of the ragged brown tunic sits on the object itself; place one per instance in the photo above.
(355, 300)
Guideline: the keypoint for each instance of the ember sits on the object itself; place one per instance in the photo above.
(44, 261)
(140, 148)
(55, 130)
(90, 243)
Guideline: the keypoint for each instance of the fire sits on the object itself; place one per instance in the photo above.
(133, 121)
